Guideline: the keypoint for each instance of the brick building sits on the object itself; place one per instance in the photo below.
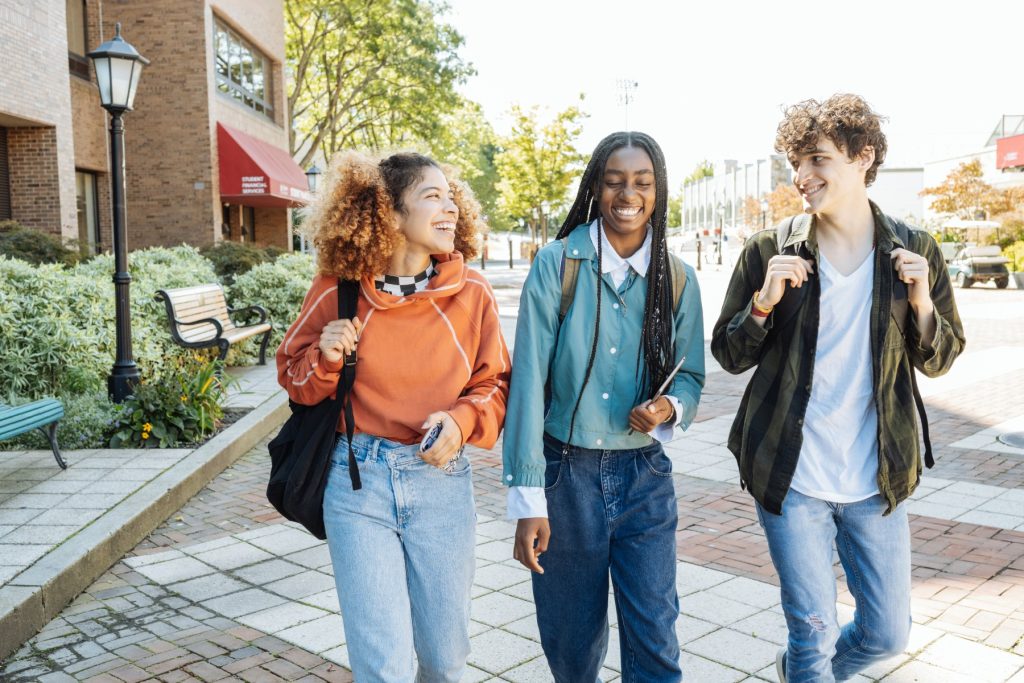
(206, 146)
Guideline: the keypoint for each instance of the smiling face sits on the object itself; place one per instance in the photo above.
(428, 214)
(626, 194)
(829, 181)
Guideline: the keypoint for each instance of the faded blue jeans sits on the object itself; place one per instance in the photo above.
(610, 511)
(875, 553)
(402, 550)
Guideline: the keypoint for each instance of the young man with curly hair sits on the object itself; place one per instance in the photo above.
(835, 310)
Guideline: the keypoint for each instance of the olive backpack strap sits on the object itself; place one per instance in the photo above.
(678, 274)
(900, 313)
(348, 296)
(786, 309)
(569, 272)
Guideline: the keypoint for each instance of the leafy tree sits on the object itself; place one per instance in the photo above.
(783, 201)
(538, 162)
(368, 73)
(467, 140)
(675, 209)
(704, 169)
(751, 212)
(964, 193)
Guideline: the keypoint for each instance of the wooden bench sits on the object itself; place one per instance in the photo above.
(200, 318)
(36, 415)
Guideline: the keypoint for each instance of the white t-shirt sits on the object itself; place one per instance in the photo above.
(839, 458)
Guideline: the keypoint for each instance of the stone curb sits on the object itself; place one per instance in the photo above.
(39, 593)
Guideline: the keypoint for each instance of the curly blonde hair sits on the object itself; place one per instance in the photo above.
(847, 120)
(354, 222)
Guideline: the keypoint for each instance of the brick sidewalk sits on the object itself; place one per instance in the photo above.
(141, 622)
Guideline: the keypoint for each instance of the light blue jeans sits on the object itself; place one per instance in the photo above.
(875, 553)
(402, 550)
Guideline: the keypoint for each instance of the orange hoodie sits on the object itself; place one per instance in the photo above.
(439, 349)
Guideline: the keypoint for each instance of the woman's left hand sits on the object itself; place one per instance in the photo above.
(646, 416)
(448, 442)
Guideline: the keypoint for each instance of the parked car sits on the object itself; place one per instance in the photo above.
(979, 264)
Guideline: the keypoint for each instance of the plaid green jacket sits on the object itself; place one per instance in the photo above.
(767, 433)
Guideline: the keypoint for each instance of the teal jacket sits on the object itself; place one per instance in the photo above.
(615, 381)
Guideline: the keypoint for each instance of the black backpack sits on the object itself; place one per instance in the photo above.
(300, 454)
(791, 301)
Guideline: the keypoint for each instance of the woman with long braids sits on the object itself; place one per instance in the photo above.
(590, 484)
(430, 354)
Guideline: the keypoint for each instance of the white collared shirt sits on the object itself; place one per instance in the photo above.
(529, 501)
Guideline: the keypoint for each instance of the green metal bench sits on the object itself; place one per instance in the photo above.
(42, 415)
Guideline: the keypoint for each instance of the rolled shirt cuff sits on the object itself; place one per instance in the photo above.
(526, 501)
(666, 430)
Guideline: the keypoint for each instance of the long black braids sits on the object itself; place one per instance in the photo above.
(657, 335)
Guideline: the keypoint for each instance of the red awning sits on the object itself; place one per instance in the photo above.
(256, 173)
(1010, 152)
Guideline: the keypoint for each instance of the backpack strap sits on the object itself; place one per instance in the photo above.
(900, 312)
(678, 273)
(900, 307)
(793, 297)
(569, 271)
(348, 295)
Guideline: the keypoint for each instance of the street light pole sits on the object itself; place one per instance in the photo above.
(721, 231)
(118, 67)
(125, 373)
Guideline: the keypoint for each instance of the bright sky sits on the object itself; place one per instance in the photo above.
(713, 75)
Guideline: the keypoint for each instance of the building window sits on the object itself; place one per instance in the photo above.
(78, 64)
(88, 212)
(5, 179)
(243, 72)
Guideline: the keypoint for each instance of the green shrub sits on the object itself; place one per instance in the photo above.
(87, 423)
(56, 333)
(231, 259)
(177, 411)
(1015, 252)
(279, 287)
(34, 246)
(57, 325)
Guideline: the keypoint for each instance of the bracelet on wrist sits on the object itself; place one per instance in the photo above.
(757, 310)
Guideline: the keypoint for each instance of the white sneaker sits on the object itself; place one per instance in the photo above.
(780, 664)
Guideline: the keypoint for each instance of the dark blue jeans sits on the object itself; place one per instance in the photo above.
(610, 511)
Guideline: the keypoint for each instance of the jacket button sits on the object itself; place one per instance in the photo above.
(808, 386)
(800, 422)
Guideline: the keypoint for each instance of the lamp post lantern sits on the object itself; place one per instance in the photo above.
(118, 67)
(313, 174)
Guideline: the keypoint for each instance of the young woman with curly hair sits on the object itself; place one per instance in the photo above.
(430, 352)
(591, 486)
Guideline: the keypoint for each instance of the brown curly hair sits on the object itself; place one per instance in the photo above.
(354, 223)
(847, 120)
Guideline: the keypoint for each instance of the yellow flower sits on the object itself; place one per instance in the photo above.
(184, 398)
(145, 435)
(147, 427)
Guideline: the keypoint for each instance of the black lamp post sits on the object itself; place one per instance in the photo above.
(764, 211)
(118, 67)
